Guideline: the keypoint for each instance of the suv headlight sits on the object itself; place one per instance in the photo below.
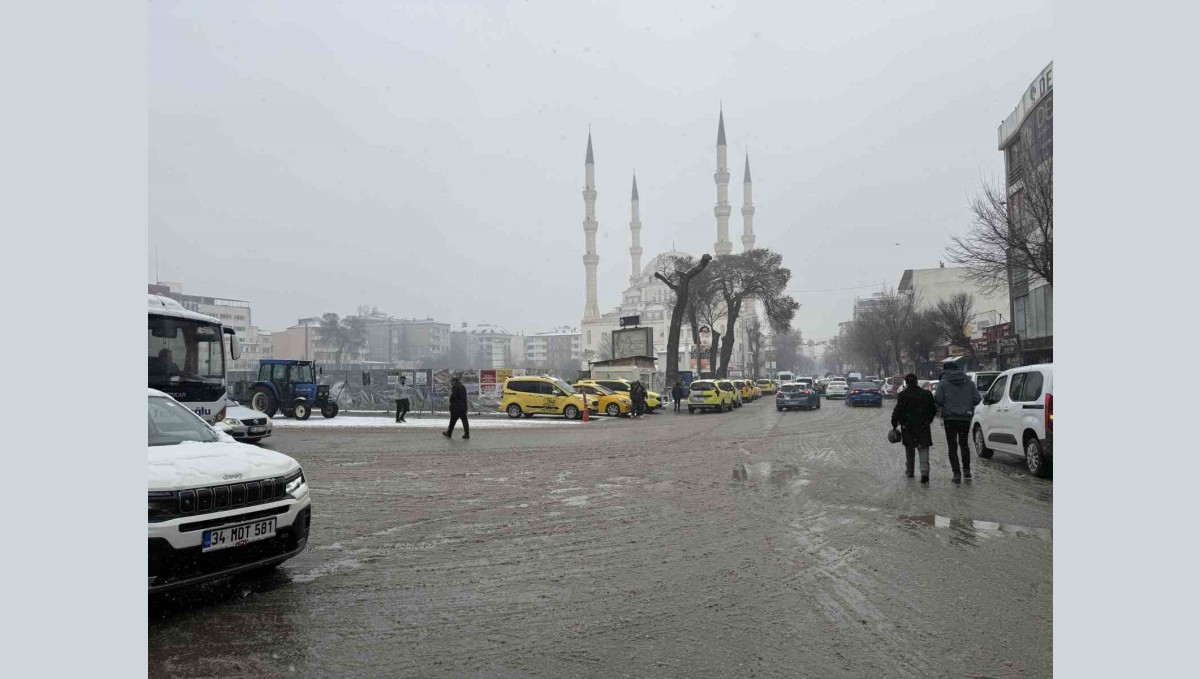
(294, 483)
(233, 422)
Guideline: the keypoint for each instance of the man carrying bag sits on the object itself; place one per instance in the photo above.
(914, 413)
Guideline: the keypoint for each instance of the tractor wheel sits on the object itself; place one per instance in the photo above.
(302, 411)
(264, 401)
(329, 410)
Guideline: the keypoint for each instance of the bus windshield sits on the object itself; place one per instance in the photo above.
(184, 350)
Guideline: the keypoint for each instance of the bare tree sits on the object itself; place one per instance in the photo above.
(953, 316)
(679, 281)
(1009, 233)
(604, 350)
(890, 316)
(344, 335)
(921, 338)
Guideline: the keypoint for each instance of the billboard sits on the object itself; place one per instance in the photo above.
(633, 342)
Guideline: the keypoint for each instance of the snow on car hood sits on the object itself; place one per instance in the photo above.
(241, 412)
(192, 465)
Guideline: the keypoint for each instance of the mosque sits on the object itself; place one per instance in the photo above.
(647, 296)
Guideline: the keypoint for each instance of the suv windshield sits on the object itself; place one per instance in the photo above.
(171, 424)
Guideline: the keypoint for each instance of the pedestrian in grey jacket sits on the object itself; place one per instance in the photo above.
(957, 397)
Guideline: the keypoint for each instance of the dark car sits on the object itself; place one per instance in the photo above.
(864, 393)
(797, 396)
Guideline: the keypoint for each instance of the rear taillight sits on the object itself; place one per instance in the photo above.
(856, 391)
(1049, 412)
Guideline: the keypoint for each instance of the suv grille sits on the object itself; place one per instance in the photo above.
(166, 505)
(254, 421)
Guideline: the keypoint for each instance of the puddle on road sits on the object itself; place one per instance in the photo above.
(970, 529)
(785, 476)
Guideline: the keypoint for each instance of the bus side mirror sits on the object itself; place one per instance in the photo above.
(235, 347)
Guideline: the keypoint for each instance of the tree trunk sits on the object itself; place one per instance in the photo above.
(681, 294)
(731, 316)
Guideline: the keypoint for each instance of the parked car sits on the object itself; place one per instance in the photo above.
(246, 424)
(797, 395)
(892, 386)
(533, 395)
(217, 507)
(706, 395)
(607, 401)
(744, 388)
(767, 386)
(836, 389)
(864, 393)
(1017, 417)
(727, 385)
(653, 398)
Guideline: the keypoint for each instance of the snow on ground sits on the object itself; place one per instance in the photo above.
(426, 422)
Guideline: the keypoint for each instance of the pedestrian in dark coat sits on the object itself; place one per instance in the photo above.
(914, 413)
(458, 408)
(957, 397)
(678, 393)
(637, 394)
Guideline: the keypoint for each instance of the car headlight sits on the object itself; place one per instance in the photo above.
(294, 483)
(232, 422)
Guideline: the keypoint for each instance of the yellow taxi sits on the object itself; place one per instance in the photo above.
(653, 398)
(608, 401)
(706, 395)
(529, 396)
(727, 385)
(746, 390)
(767, 386)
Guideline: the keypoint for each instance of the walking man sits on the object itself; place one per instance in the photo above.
(458, 408)
(957, 397)
(914, 413)
(402, 399)
(637, 394)
(677, 393)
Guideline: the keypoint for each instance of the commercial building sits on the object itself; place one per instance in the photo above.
(1026, 138)
(302, 342)
(486, 346)
(390, 340)
(555, 349)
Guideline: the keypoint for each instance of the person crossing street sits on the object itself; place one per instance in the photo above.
(678, 394)
(458, 408)
(403, 396)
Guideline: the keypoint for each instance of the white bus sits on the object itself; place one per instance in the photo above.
(187, 358)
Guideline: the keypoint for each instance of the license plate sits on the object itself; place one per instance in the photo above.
(257, 430)
(236, 536)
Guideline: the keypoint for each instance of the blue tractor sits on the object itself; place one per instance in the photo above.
(290, 386)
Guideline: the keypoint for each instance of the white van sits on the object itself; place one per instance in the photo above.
(1017, 417)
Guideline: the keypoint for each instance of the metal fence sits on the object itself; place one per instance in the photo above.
(372, 390)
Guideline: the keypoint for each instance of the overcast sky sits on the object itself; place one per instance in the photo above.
(427, 158)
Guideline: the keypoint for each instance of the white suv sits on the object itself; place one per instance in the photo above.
(1017, 416)
(216, 506)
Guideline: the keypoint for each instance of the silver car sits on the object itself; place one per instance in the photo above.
(245, 424)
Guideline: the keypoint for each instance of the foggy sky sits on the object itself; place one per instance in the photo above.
(427, 159)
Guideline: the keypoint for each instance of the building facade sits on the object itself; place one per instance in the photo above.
(302, 342)
(390, 340)
(559, 347)
(1026, 138)
(486, 346)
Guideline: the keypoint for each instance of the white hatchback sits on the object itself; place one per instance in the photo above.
(1017, 416)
